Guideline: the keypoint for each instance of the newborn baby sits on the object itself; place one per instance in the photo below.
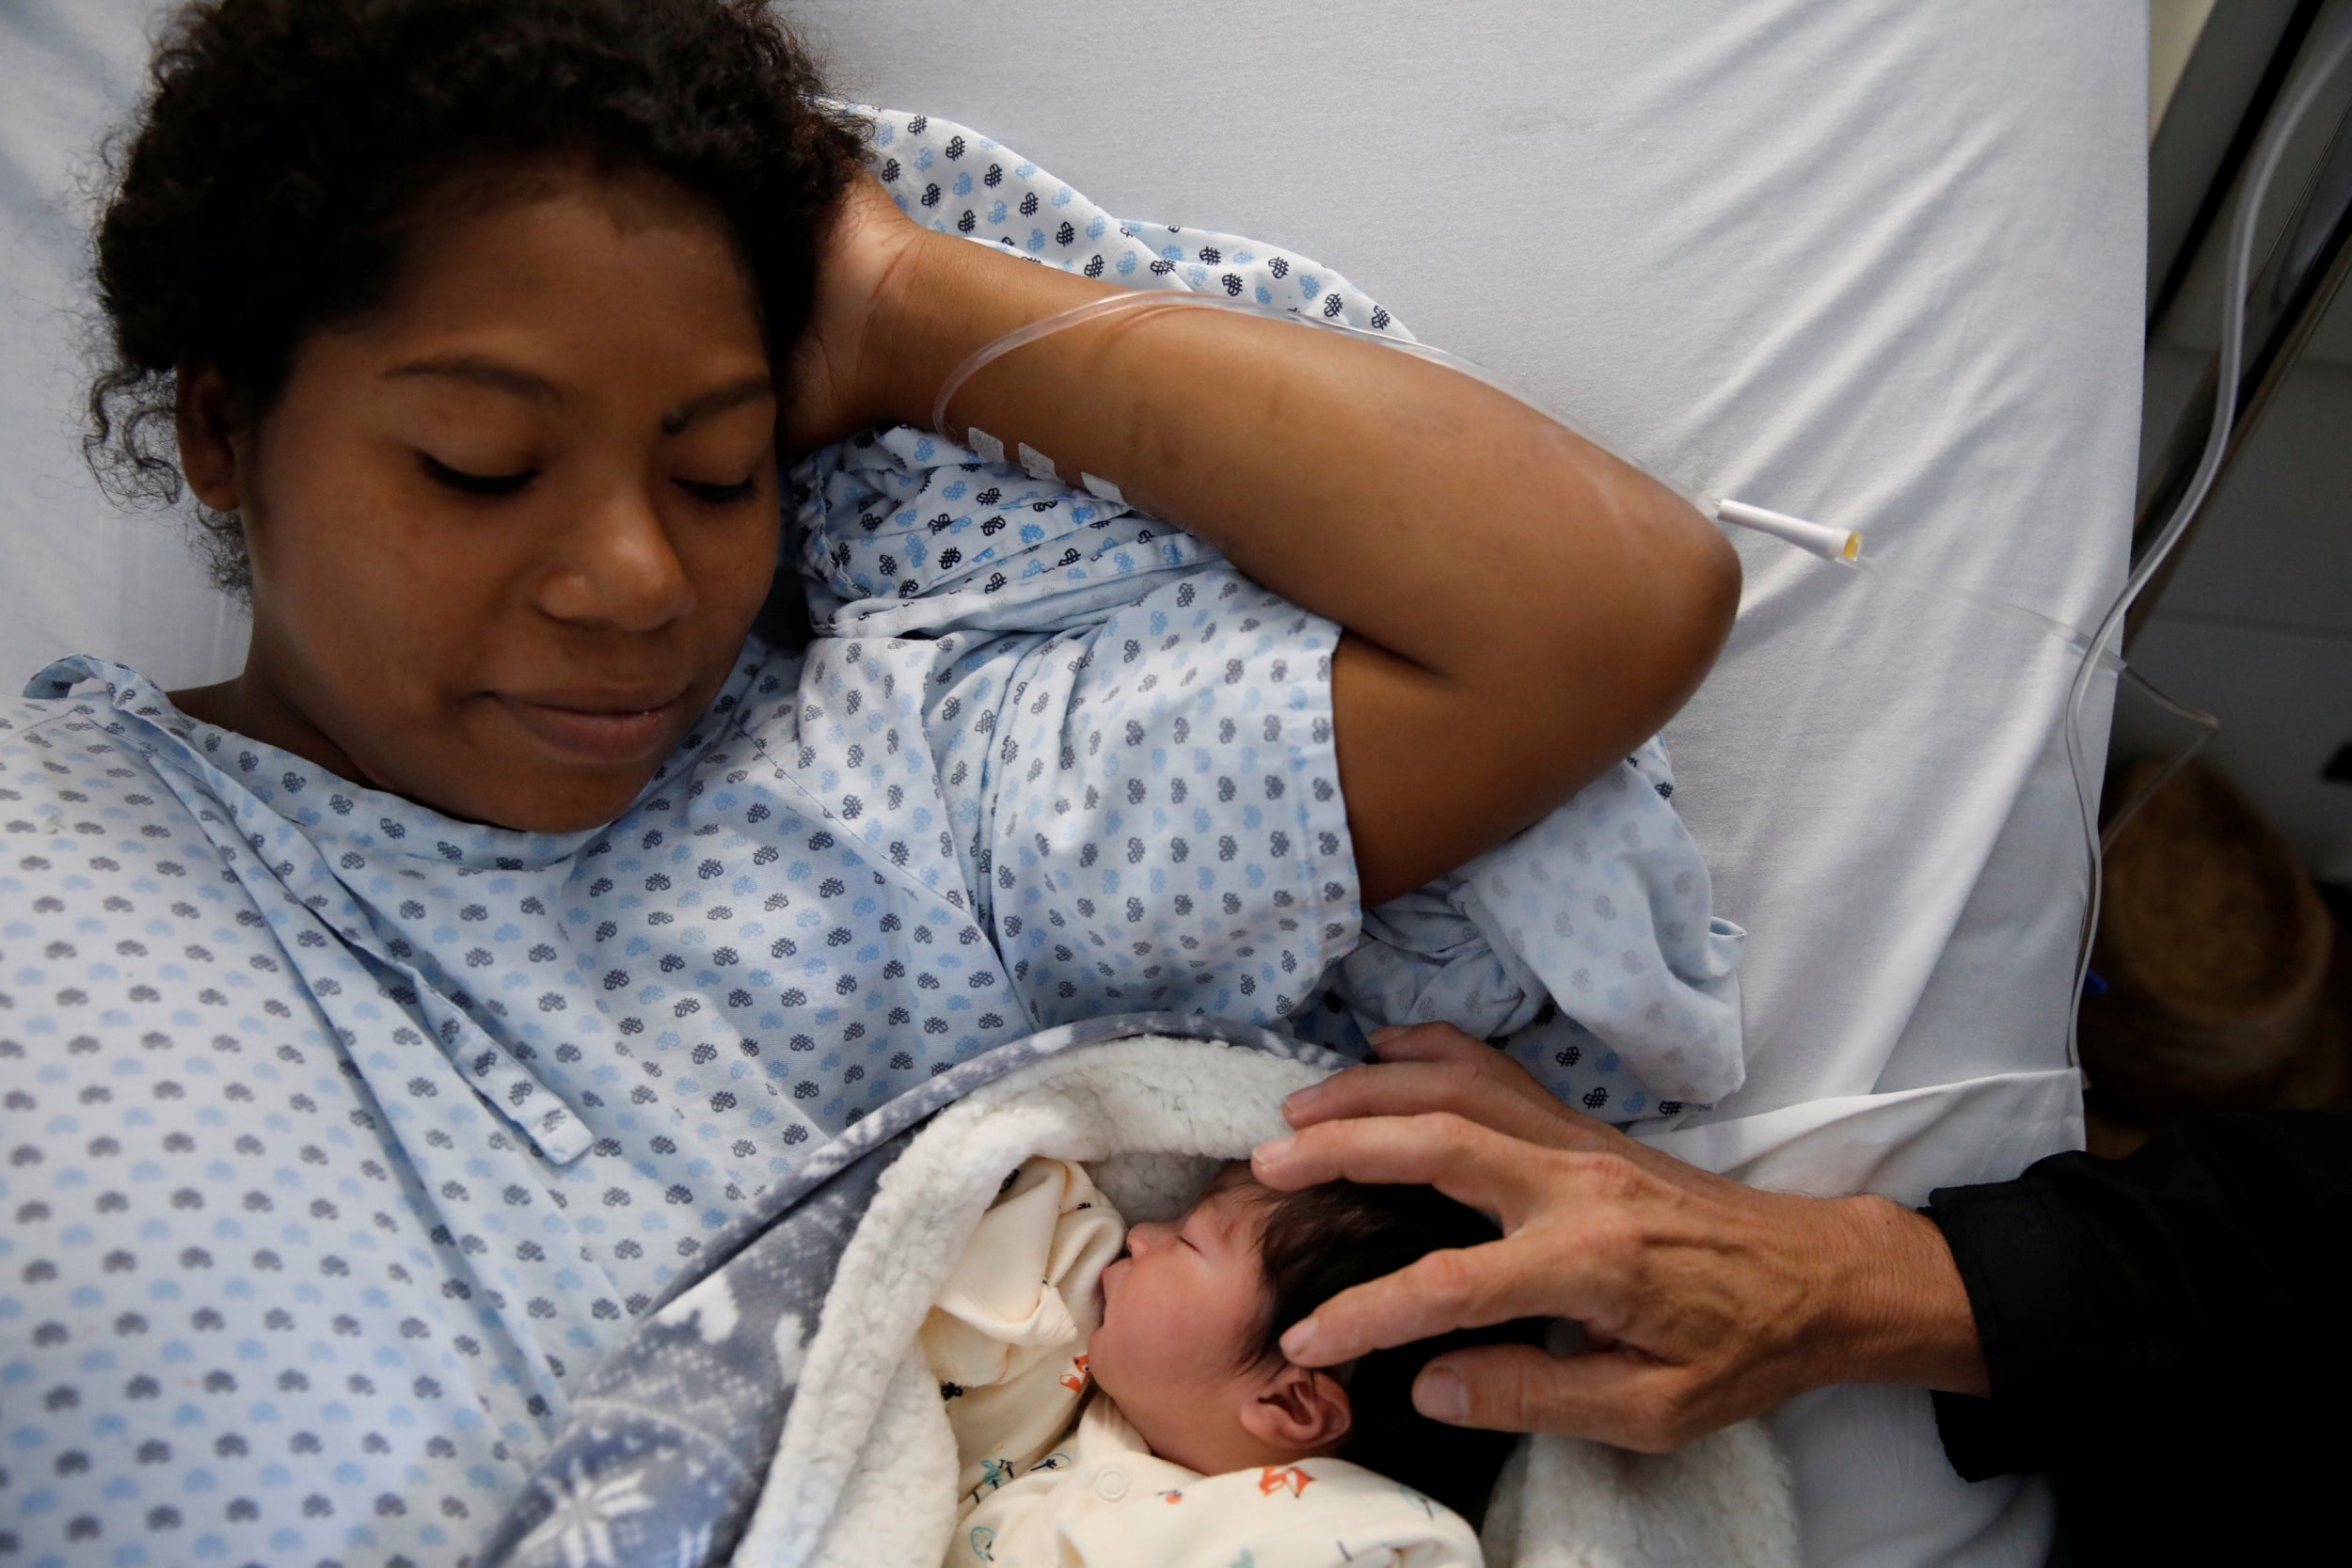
(1195, 1440)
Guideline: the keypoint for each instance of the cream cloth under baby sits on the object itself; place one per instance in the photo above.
(1007, 1335)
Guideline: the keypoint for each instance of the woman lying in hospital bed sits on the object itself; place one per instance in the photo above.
(389, 1022)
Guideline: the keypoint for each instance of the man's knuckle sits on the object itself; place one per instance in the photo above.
(1455, 1084)
(1316, 1141)
(1443, 1126)
(1609, 1242)
(1344, 1095)
(1344, 1315)
(1448, 1280)
(1602, 1181)
(1441, 1274)
(1613, 1177)
(1347, 1079)
(1455, 1132)
(1503, 1401)
(1327, 1147)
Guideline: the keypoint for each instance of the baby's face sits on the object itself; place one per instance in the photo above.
(1177, 1310)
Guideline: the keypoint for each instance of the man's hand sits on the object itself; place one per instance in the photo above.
(1705, 1300)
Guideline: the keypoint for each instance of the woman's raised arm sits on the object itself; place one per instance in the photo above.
(1521, 607)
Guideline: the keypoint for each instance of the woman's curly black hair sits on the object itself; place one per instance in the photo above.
(265, 188)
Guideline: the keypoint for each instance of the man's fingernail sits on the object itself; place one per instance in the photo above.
(1300, 1339)
(1440, 1395)
(1387, 1032)
(1271, 1154)
(1301, 1100)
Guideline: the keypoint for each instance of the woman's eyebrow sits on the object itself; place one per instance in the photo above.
(482, 373)
(524, 384)
(729, 396)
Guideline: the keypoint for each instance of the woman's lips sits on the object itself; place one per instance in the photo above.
(612, 728)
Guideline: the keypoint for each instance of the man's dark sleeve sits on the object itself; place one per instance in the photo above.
(2185, 1294)
(2137, 1311)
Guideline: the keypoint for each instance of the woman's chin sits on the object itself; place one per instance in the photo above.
(528, 800)
(568, 811)
(559, 824)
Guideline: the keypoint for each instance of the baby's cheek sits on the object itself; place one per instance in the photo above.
(1127, 1355)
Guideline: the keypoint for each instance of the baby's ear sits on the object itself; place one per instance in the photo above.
(1299, 1411)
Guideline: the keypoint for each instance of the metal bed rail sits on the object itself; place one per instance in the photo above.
(2288, 295)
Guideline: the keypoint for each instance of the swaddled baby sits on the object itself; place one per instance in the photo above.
(1120, 1396)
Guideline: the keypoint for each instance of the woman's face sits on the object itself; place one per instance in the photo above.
(508, 530)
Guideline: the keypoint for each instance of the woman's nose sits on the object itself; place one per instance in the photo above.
(618, 568)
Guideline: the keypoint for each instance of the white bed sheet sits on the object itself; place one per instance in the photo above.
(1868, 261)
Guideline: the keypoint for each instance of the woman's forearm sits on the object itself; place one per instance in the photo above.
(1408, 503)
(1523, 608)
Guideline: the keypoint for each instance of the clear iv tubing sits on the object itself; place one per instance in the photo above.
(1148, 304)
(1844, 546)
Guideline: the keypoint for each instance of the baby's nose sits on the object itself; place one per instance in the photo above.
(1145, 1237)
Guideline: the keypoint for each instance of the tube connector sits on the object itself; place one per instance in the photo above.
(1841, 545)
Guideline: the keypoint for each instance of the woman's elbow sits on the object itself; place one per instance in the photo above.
(1680, 593)
(1591, 656)
(1709, 600)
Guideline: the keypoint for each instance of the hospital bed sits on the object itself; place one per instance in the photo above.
(1869, 261)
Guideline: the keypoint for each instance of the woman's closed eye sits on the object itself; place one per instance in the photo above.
(466, 481)
(471, 483)
(720, 495)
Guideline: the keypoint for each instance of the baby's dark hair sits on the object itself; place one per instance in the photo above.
(1319, 1241)
(287, 146)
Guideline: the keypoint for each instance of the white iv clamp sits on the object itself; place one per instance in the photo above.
(1830, 544)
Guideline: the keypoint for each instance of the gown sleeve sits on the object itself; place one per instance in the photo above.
(1134, 741)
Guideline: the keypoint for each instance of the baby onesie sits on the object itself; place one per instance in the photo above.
(1006, 1336)
(1103, 1501)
